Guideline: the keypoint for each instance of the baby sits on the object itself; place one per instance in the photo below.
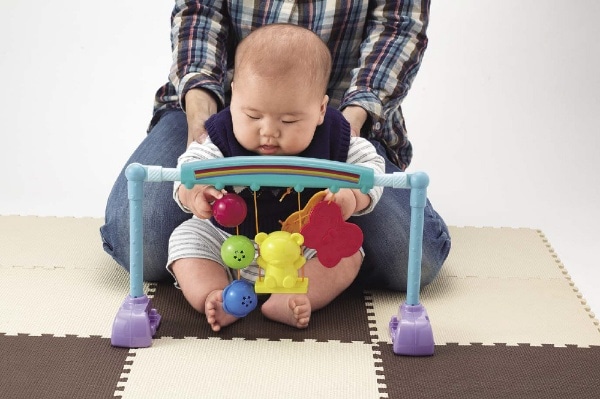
(278, 107)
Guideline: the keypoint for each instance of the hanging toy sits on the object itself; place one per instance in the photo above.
(280, 257)
(239, 298)
(237, 252)
(330, 235)
(295, 222)
(230, 210)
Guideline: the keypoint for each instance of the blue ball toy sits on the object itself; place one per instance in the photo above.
(239, 298)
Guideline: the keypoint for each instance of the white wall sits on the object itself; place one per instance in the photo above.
(78, 80)
(504, 115)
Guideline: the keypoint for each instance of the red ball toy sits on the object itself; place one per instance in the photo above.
(230, 210)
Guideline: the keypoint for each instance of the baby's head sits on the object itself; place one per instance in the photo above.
(278, 91)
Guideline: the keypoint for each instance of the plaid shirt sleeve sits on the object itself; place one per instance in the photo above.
(391, 55)
(392, 50)
(198, 29)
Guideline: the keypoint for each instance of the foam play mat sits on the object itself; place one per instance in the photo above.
(506, 318)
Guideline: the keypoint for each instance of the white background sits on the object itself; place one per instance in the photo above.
(504, 114)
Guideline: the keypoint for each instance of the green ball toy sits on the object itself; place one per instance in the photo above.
(237, 252)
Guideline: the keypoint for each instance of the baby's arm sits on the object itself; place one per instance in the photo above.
(353, 201)
(350, 200)
(197, 200)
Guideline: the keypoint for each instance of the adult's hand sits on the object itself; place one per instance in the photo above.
(199, 106)
(356, 116)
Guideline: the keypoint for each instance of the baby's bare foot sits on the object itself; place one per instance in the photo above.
(293, 310)
(216, 317)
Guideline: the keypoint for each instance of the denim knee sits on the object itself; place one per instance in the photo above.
(386, 239)
(162, 146)
(436, 246)
(386, 242)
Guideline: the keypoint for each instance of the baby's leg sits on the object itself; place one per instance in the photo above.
(215, 314)
(325, 284)
(202, 282)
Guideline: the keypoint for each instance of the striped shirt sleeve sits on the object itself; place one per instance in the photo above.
(195, 152)
(362, 152)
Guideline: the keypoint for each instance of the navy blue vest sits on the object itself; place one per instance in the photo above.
(331, 141)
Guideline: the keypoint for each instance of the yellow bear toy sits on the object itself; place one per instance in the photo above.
(280, 255)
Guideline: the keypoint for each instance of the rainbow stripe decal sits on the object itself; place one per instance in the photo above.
(279, 170)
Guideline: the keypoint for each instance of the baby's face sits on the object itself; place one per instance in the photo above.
(275, 116)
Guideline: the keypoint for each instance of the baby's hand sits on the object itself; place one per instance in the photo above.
(346, 199)
(199, 199)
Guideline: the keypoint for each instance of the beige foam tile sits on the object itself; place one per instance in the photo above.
(61, 302)
(217, 368)
(490, 311)
(31, 241)
(501, 252)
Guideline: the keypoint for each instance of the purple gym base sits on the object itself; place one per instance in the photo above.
(135, 323)
(411, 332)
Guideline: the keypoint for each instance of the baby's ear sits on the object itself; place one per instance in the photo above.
(323, 109)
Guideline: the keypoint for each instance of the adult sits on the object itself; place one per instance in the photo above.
(376, 46)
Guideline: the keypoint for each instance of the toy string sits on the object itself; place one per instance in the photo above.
(255, 213)
(256, 227)
(237, 232)
(300, 228)
(257, 230)
(300, 216)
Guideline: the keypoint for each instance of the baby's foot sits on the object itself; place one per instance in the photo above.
(293, 310)
(215, 315)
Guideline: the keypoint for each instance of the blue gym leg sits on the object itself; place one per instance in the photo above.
(136, 321)
(411, 330)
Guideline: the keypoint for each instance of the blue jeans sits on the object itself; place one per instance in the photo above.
(385, 230)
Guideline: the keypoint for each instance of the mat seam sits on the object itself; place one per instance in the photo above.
(377, 358)
(124, 378)
(570, 281)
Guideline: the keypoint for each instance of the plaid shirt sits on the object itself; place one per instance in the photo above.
(376, 45)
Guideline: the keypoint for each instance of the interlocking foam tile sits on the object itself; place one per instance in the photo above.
(490, 311)
(490, 372)
(507, 322)
(59, 367)
(72, 243)
(61, 301)
(251, 369)
(501, 252)
(344, 320)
